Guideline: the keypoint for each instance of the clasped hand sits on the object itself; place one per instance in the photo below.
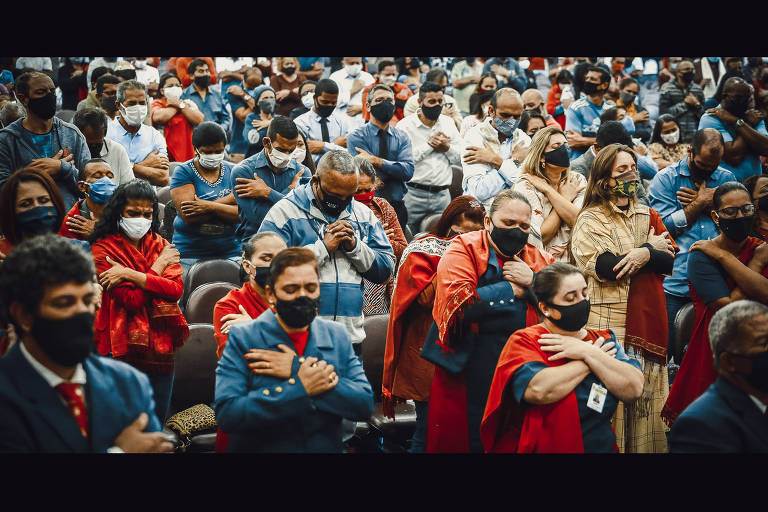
(572, 348)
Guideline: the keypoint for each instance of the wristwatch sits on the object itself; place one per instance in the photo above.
(740, 123)
(183, 104)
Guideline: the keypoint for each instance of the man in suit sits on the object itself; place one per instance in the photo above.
(730, 417)
(55, 396)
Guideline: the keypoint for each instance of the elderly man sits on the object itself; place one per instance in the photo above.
(346, 237)
(351, 80)
(730, 417)
(145, 145)
(533, 100)
(682, 99)
(40, 140)
(92, 123)
(495, 148)
(742, 128)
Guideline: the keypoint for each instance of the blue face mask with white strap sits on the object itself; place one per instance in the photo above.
(101, 190)
(506, 126)
(628, 124)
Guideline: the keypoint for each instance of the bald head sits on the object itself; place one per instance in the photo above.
(707, 139)
(735, 84)
(533, 100)
(506, 96)
(737, 96)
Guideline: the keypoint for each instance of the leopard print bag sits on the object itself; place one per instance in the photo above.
(198, 419)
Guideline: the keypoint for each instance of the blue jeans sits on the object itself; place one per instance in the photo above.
(674, 303)
(162, 385)
(421, 204)
(419, 439)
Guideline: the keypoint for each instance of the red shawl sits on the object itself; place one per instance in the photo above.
(248, 298)
(159, 327)
(647, 329)
(508, 427)
(697, 371)
(418, 266)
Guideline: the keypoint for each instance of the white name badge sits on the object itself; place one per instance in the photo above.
(596, 400)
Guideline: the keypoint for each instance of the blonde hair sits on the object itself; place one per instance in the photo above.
(280, 63)
(532, 162)
(598, 191)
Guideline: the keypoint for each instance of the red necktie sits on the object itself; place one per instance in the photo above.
(73, 394)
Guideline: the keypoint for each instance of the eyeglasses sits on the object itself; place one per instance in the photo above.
(731, 211)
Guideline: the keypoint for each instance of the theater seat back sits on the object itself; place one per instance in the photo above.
(163, 194)
(683, 329)
(373, 350)
(195, 369)
(210, 271)
(458, 176)
(429, 222)
(203, 299)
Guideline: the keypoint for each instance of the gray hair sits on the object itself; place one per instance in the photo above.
(507, 195)
(129, 84)
(378, 87)
(504, 91)
(365, 167)
(11, 112)
(339, 161)
(724, 328)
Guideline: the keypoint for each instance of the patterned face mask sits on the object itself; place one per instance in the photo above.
(625, 188)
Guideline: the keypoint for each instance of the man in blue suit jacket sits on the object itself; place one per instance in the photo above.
(46, 291)
(730, 416)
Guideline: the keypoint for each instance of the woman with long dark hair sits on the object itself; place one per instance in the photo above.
(666, 148)
(139, 321)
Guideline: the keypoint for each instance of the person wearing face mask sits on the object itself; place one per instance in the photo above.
(464, 74)
(201, 189)
(348, 240)
(42, 141)
(495, 148)
(286, 84)
(387, 75)
(302, 155)
(106, 94)
(742, 127)
(181, 67)
(624, 249)
(555, 193)
(107, 62)
(286, 380)
(325, 129)
(481, 297)
(139, 321)
(561, 381)
(533, 101)
(307, 95)
(93, 124)
(145, 73)
(97, 182)
(261, 180)
(582, 118)
(406, 375)
(478, 111)
(682, 98)
(629, 89)
(487, 84)
(176, 117)
(666, 148)
(730, 416)
(257, 122)
(560, 96)
(757, 186)
(207, 97)
(56, 395)
(725, 269)
(351, 80)
(440, 77)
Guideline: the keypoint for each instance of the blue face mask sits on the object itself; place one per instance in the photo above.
(628, 124)
(713, 59)
(101, 190)
(38, 220)
(506, 126)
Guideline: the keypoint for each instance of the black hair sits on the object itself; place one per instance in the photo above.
(21, 84)
(751, 183)
(208, 134)
(626, 81)
(107, 224)
(249, 247)
(610, 114)
(427, 87)
(476, 101)
(98, 73)
(165, 77)
(564, 74)
(308, 162)
(436, 75)
(526, 117)
(705, 137)
(33, 264)
(387, 63)
(547, 281)
(326, 85)
(126, 74)
(612, 132)
(309, 82)
(284, 127)
(663, 118)
(106, 79)
(728, 186)
(605, 76)
(290, 257)
(81, 171)
(192, 66)
(94, 117)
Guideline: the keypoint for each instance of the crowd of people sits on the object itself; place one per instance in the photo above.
(538, 230)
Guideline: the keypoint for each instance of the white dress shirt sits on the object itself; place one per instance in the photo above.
(309, 124)
(344, 81)
(147, 74)
(432, 167)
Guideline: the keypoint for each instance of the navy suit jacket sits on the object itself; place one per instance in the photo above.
(34, 419)
(724, 419)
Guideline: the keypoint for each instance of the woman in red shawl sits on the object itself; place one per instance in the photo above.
(406, 374)
(139, 321)
(728, 268)
(481, 297)
(557, 385)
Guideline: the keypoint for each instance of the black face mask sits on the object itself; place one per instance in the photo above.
(573, 317)
(298, 312)
(324, 110)
(687, 76)
(289, 70)
(737, 229)
(558, 156)
(37, 221)
(67, 341)
(95, 149)
(432, 113)
(589, 88)
(762, 204)
(260, 275)
(44, 107)
(627, 98)
(509, 240)
(383, 111)
(737, 106)
(202, 81)
(414, 64)
(108, 103)
(758, 379)
(331, 204)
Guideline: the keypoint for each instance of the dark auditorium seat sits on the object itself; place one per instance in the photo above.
(209, 271)
(683, 330)
(456, 189)
(429, 222)
(163, 194)
(200, 304)
(172, 167)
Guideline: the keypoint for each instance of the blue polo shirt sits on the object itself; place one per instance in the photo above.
(306, 63)
(204, 240)
(138, 146)
(212, 107)
(751, 164)
(583, 116)
(237, 142)
(663, 198)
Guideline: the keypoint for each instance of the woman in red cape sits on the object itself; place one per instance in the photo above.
(481, 291)
(728, 268)
(545, 371)
(139, 321)
(406, 375)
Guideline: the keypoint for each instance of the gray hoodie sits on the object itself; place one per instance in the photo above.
(17, 150)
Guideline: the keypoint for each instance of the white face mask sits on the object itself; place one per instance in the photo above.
(136, 227)
(279, 159)
(134, 115)
(388, 80)
(353, 69)
(140, 64)
(299, 153)
(308, 100)
(671, 138)
(172, 93)
(211, 161)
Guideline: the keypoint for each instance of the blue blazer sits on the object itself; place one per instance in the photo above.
(724, 419)
(34, 419)
(262, 413)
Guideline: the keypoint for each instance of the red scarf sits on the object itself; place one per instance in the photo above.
(158, 328)
(248, 298)
(697, 371)
(508, 427)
